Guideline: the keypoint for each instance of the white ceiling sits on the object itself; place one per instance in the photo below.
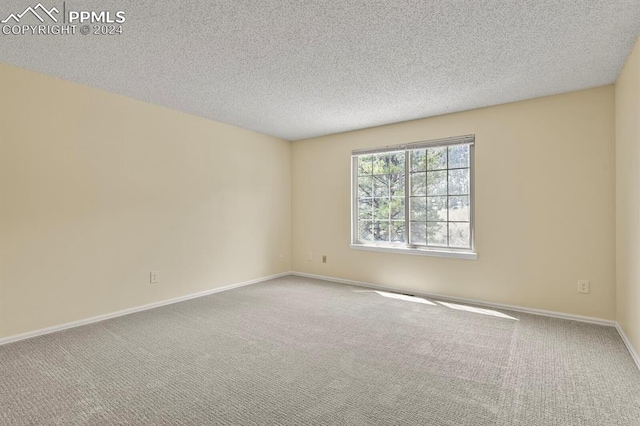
(297, 69)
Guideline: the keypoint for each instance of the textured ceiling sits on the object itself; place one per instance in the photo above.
(296, 69)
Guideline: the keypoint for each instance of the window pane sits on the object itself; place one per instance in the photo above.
(396, 208)
(418, 160)
(459, 235)
(438, 196)
(459, 182)
(437, 183)
(459, 208)
(418, 184)
(380, 186)
(458, 156)
(396, 231)
(418, 233)
(365, 230)
(365, 209)
(396, 182)
(381, 208)
(418, 210)
(396, 162)
(437, 233)
(437, 208)
(365, 165)
(381, 231)
(381, 164)
(365, 187)
(437, 158)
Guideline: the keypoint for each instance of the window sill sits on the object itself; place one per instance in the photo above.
(469, 255)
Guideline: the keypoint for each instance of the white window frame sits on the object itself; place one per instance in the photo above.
(406, 248)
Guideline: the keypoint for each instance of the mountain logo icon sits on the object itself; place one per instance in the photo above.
(34, 11)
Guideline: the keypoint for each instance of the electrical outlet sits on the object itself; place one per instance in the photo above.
(324, 258)
(154, 277)
(281, 257)
(310, 257)
(583, 286)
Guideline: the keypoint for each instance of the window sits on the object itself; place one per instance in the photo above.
(415, 198)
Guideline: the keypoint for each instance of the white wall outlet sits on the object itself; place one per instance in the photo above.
(281, 257)
(324, 258)
(154, 277)
(583, 286)
(310, 257)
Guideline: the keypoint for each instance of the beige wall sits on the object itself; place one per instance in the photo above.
(544, 206)
(627, 192)
(97, 190)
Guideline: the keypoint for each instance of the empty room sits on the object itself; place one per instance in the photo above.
(320, 213)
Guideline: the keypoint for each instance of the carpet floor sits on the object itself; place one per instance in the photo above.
(298, 351)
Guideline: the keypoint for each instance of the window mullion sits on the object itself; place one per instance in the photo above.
(355, 201)
(448, 195)
(389, 203)
(407, 169)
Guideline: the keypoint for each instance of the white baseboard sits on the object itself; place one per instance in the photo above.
(554, 314)
(542, 312)
(628, 344)
(48, 330)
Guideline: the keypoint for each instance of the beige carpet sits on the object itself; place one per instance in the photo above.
(296, 351)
